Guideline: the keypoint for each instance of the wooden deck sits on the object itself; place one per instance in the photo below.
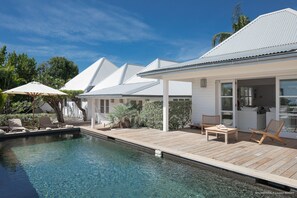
(270, 161)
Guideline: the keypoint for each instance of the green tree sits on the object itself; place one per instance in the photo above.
(55, 73)
(60, 67)
(3, 98)
(16, 69)
(239, 20)
(26, 68)
(3, 53)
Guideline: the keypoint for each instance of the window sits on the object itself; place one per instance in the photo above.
(227, 103)
(246, 96)
(140, 104)
(175, 99)
(133, 102)
(112, 100)
(121, 101)
(101, 106)
(181, 100)
(106, 106)
(288, 104)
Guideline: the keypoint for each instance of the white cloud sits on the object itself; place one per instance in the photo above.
(76, 21)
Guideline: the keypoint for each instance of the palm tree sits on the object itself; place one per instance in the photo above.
(239, 21)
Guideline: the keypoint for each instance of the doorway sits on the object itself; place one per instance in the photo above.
(256, 103)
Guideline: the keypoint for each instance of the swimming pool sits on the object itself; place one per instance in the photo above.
(85, 166)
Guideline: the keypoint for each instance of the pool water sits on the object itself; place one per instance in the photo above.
(63, 166)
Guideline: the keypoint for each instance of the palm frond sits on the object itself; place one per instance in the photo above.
(220, 37)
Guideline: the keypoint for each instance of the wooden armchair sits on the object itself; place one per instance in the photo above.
(272, 131)
(209, 121)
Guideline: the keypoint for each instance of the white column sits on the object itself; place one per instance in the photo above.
(165, 105)
(93, 116)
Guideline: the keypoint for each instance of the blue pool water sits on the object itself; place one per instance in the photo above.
(52, 166)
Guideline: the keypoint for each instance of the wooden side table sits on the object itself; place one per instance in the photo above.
(226, 132)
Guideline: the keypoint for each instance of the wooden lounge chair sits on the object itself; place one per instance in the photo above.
(45, 122)
(209, 121)
(16, 125)
(272, 131)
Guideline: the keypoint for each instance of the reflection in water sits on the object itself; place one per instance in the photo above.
(14, 181)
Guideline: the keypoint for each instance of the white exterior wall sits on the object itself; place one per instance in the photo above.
(203, 99)
(103, 117)
(71, 109)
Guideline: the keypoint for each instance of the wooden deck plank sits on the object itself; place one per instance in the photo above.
(285, 167)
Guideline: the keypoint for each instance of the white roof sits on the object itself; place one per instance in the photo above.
(34, 89)
(119, 76)
(91, 76)
(176, 88)
(137, 86)
(269, 30)
(156, 64)
(269, 35)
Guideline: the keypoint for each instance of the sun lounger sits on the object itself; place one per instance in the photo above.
(45, 122)
(16, 125)
(272, 131)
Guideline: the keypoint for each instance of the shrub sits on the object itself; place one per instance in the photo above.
(27, 119)
(179, 114)
(122, 115)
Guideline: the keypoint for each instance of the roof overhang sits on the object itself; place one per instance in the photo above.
(165, 73)
(115, 96)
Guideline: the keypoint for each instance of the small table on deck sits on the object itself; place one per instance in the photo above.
(226, 132)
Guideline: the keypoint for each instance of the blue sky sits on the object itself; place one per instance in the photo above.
(133, 31)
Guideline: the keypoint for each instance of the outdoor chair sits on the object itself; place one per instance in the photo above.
(209, 121)
(16, 125)
(272, 131)
(45, 122)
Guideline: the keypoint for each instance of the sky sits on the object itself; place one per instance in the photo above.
(123, 31)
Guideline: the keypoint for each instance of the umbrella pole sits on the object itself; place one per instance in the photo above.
(33, 107)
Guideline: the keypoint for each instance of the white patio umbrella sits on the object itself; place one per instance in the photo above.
(34, 89)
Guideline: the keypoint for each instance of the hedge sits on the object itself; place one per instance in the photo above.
(27, 119)
(179, 114)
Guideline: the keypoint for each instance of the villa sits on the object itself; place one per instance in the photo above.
(248, 79)
(102, 99)
(85, 81)
(244, 82)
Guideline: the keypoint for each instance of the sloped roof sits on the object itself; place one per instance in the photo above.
(267, 37)
(136, 86)
(269, 30)
(91, 76)
(119, 90)
(156, 64)
(119, 76)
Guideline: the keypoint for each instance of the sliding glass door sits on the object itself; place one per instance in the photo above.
(287, 104)
(227, 103)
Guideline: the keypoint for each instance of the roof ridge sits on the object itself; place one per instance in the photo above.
(97, 70)
(123, 73)
(245, 27)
